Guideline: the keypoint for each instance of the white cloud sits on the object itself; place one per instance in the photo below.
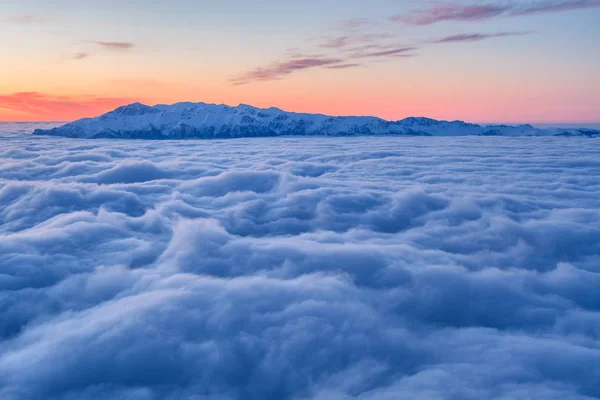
(313, 268)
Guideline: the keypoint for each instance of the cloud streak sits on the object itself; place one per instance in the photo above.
(344, 66)
(280, 69)
(387, 52)
(477, 37)
(356, 23)
(80, 56)
(106, 46)
(353, 40)
(116, 45)
(485, 11)
(24, 19)
(336, 42)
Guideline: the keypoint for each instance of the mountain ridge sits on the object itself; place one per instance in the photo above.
(188, 120)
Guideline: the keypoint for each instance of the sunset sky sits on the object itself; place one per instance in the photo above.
(494, 61)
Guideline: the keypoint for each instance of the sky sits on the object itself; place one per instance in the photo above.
(493, 61)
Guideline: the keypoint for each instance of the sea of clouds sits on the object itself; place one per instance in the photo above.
(299, 268)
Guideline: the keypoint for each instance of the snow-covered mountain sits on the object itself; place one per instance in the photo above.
(212, 121)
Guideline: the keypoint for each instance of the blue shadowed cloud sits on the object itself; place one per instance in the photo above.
(462, 268)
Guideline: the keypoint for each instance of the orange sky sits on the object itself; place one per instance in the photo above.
(60, 62)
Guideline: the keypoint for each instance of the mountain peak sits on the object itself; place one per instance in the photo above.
(213, 121)
(136, 108)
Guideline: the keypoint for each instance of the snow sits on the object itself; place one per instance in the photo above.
(210, 121)
(299, 268)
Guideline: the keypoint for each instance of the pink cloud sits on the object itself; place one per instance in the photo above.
(344, 66)
(279, 69)
(116, 45)
(456, 12)
(385, 52)
(479, 12)
(80, 56)
(476, 37)
(34, 106)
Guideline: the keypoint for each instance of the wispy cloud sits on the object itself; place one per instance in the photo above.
(42, 106)
(80, 56)
(385, 53)
(456, 12)
(116, 45)
(347, 59)
(476, 37)
(356, 23)
(279, 69)
(23, 19)
(554, 6)
(359, 43)
(336, 42)
(344, 66)
(107, 46)
(485, 11)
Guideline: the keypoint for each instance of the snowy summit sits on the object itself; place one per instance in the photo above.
(212, 121)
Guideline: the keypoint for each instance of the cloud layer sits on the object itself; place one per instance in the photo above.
(363, 268)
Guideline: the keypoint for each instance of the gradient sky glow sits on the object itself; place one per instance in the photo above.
(495, 61)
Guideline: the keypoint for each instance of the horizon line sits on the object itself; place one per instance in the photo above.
(539, 123)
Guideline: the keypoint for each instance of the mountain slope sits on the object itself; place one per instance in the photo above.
(211, 121)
